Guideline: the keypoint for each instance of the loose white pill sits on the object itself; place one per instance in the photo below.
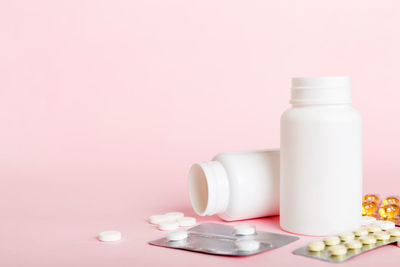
(394, 232)
(244, 229)
(316, 246)
(365, 220)
(353, 244)
(109, 236)
(361, 232)
(168, 225)
(187, 221)
(156, 219)
(331, 240)
(346, 236)
(372, 228)
(368, 240)
(247, 245)
(382, 236)
(338, 250)
(175, 215)
(177, 235)
(385, 225)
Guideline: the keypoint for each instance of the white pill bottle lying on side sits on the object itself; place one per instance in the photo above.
(321, 158)
(236, 185)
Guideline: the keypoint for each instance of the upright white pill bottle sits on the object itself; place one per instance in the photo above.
(236, 185)
(321, 158)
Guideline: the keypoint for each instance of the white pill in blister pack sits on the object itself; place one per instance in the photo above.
(353, 244)
(394, 232)
(382, 236)
(244, 229)
(337, 250)
(316, 246)
(247, 244)
(361, 232)
(346, 236)
(385, 225)
(168, 225)
(373, 228)
(368, 240)
(177, 235)
(109, 236)
(331, 240)
(187, 221)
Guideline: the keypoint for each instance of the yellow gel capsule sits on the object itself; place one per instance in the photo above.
(369, 208)
(390, 200)
(371, 197)
(389, 211)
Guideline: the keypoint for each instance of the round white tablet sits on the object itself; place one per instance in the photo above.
(361, 232)
(331, 240)
(175, 215)
(338, 250)
(156, 219)
(385, 225)
(177, 235)
(247, 245)
(316, 246)
(365, 220)
(368, 240)
(372, 228)
(346, 236)
(394, 232)
(109, 236)
(382, 236)
(168, 225)
(187, 221)
(353, 244)
(244, 229)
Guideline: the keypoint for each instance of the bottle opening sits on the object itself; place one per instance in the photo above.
(198, 189)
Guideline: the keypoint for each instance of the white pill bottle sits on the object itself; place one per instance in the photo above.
(321, 158)
(236, 185)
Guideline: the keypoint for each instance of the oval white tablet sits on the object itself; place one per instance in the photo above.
(353, 244)
(244, 229)
(177, 235)
(338, 250)
(365, 220)
(331, 240)
(175, 215)
(368, 240)
(109, 236)
(156, 219)
(394, 232)
(346, 236)
(187, 221)
(372, 228)
(361, 232)
(382, 236)
(168, 225)
(316, 246)
(385, 225)
(247, 245)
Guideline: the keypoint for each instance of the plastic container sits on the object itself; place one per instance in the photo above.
(321, 158)
(237, 185)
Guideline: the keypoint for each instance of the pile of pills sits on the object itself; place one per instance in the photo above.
(171, 221)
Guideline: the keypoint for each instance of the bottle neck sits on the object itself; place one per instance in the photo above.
(208, 188)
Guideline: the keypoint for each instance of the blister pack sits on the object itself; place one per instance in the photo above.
(348, 245)
(221, 239)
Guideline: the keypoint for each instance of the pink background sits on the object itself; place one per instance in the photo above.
(104, 105)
